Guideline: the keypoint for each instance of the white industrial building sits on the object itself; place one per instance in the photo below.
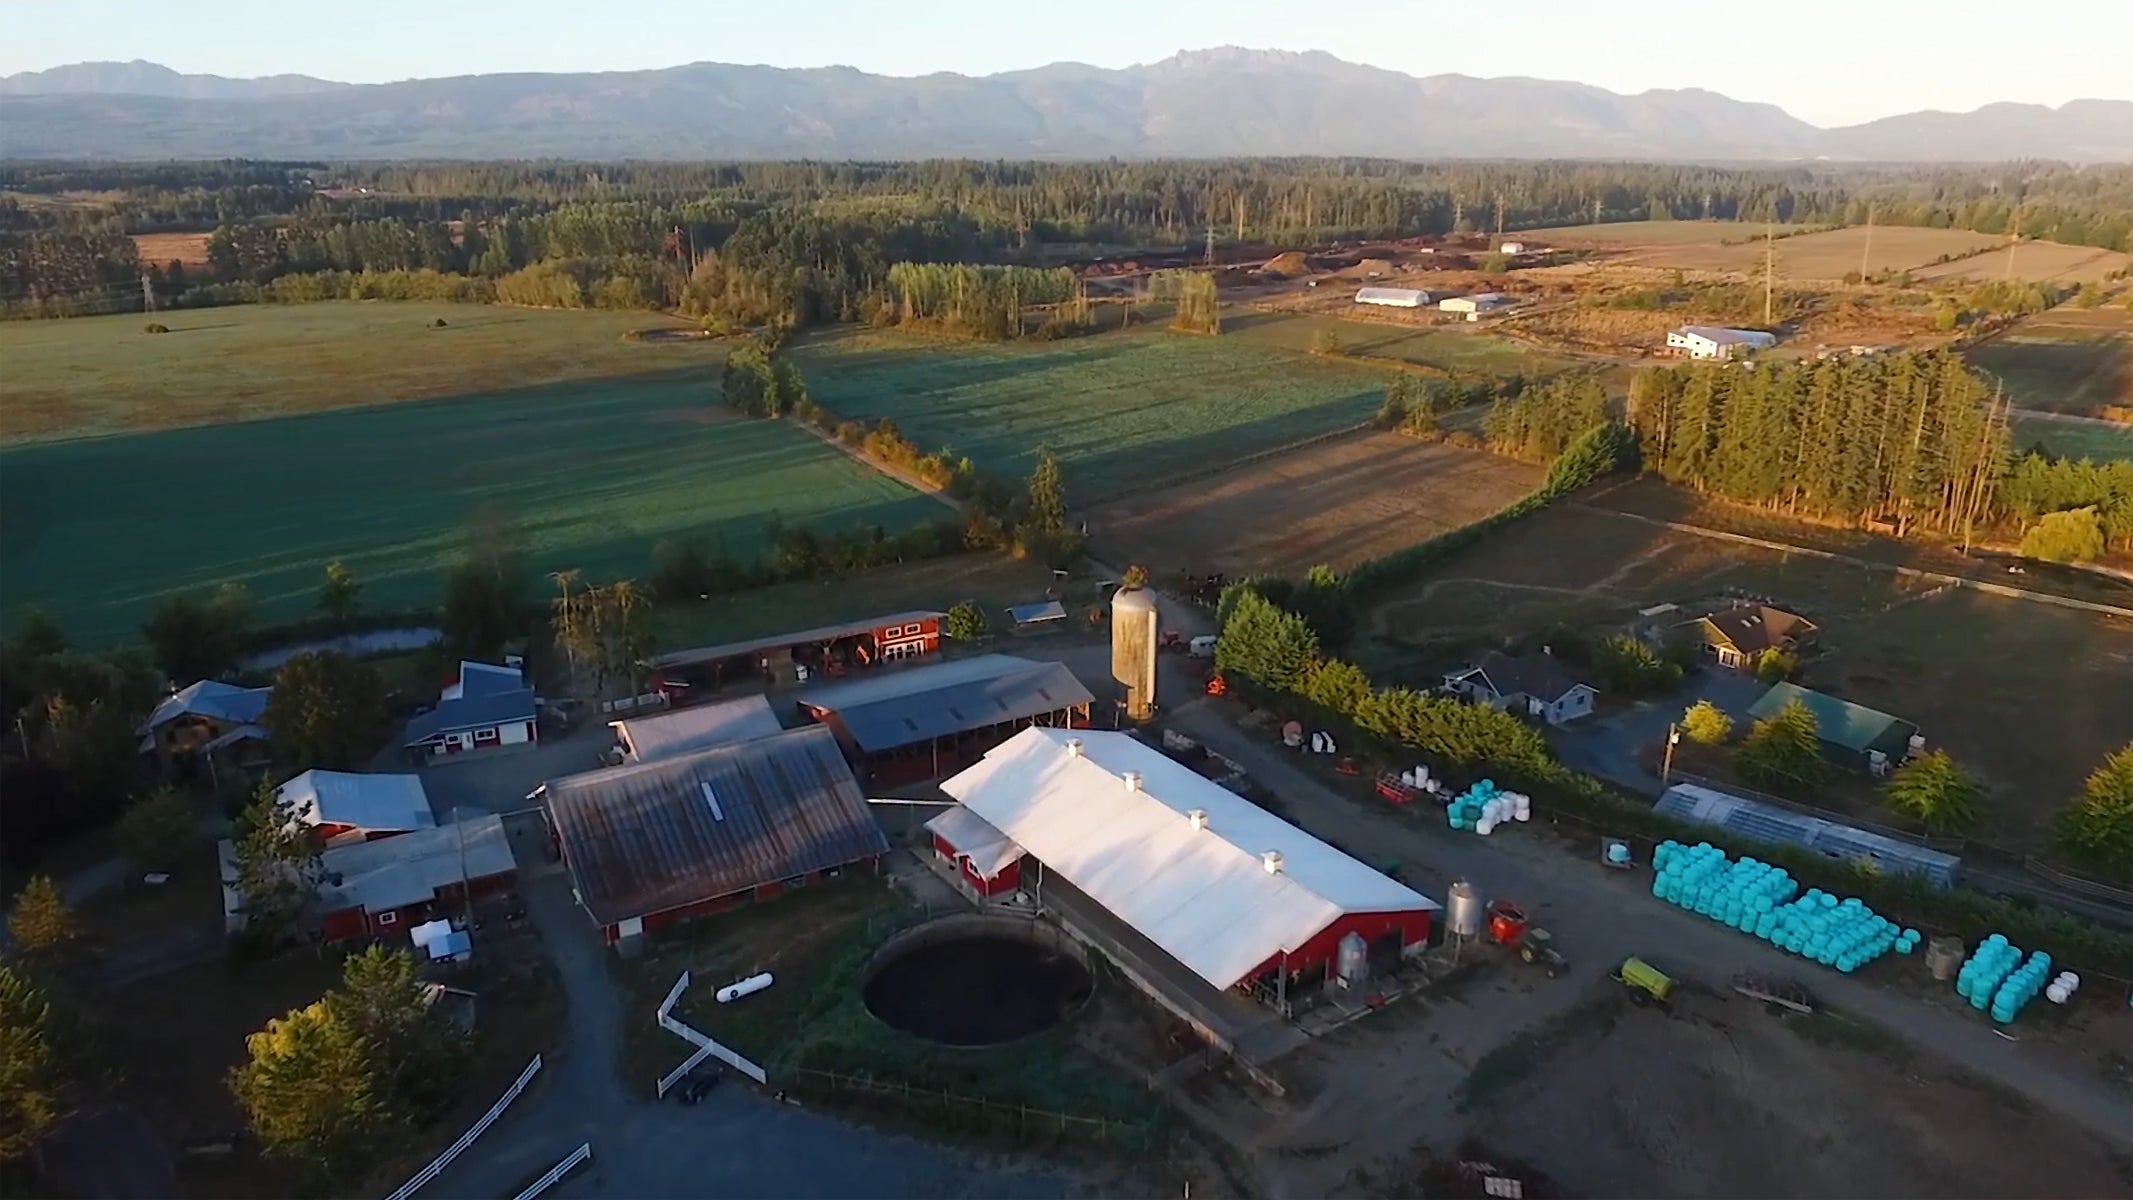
(1710, 341)
(1225, 889)
(1391, 297)
(1513, 247)
(1472, 307)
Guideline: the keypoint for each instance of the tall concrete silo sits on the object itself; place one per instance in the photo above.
(1135, 623)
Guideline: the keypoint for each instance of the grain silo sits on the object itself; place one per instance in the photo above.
(1134, 621)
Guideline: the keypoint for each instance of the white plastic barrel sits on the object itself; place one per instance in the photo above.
(744, 987)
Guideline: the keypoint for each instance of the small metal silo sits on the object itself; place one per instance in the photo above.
(1351, 960)
(1134, 633)
(1464, 910)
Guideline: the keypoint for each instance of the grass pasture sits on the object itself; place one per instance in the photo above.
(96, 375)
(2031, 696)
(97, 530)
(1649, 233)
(1703, 246)
(2035, 262)
(2073, 437)
(1339, 503)
(1119, 409)
(1442, 349)
(2067, 360)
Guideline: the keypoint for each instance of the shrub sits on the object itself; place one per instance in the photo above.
(966, 621)
(1932, 790)
(1784, 752)
(156, 327)
(1706, 723)
(2073, 536)
(437, 324)
(2097, 827)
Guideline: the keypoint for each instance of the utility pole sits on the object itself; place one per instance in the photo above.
(1499, 221)
(1866, 252)
(1595, 208)
(148, 293)
(1210, 246)
(466, 890)
(1769, 268)
(2014, 241)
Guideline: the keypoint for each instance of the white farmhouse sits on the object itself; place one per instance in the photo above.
(1710, 341)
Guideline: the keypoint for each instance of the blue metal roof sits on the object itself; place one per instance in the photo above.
(471, 712)
(648, 837)
(892, 708)
(1776, 826)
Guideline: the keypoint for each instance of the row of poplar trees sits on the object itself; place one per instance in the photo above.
(1913, 439)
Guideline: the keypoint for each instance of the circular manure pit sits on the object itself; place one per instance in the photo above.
(977, 981)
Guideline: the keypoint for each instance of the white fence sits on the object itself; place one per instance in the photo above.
(557, 1172)
(705, 1047)
(467, 1139)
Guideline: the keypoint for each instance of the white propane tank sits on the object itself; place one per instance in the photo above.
(744, 987)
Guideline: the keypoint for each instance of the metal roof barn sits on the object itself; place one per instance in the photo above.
(214, 700)
(1776, 826)
(384, 803)
(1841, 723)
(1392, 297)
(776, 641)
(1215, 881)
(645, 838)
(889, 709)
(687, 730)
(398, 872)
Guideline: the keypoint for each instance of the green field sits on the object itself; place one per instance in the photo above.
(95, 530)
(1119, 408)
(2073, 439)
(2066, 360)
(95, 375)
(1446, 349)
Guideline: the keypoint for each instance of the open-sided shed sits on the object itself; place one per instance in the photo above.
(919, 722)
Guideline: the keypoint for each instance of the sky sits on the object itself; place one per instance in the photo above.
(1830, 62)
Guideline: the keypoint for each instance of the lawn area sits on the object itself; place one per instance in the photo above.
(994, 581)
(2066, 360)
(1443, 349)
(816, 942)
(1120, 409)
(94, 375)
(2073, 439)
(97, 530)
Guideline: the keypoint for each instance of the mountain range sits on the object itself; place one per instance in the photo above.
(1202, 103)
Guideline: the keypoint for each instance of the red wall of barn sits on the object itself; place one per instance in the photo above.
(355, 922)
(999, 884)
(1413, 927)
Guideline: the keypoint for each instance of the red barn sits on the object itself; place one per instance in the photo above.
(386, 886)
(688, 676)
(1228, 891)
(988, 861)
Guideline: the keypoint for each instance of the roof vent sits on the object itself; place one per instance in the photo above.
(1198, 817)
(1271, 860)
(1133, 781)
(1074, 747)
(711, 799)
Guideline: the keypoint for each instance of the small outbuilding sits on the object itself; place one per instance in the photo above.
(393, 884)
(1037, 617)
(1863, 738)
(987, 861)
(649, 844)
(1535, 685)
(487, 708)
(1392, 297)
(1476, 306)
(345, 806)
(687, 730)
(1711, 341)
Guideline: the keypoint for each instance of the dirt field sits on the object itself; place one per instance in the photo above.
(1650, 233)
(1719, 1099)
(2037, 262)
(1338, 503)
(163, 249)
(1820, 256)
(2067, 360)
(2054, 708)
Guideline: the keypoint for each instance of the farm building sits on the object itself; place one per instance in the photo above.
(919, 723)
(207, 720)
(1133, 846)
(342, 807)
(1391, 297)
(685, 676)
(1535, 685)
(1476, 306)
(487, 708)
(1037, 617)
(687, 730)
(393, 884)
(1513, 247)
(985, 860)
(1852, 734)
(1709, 341)
(649, 844)
(1777, 826)
(1737, 636)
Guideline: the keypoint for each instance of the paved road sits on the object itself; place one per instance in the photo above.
(1602, 916)
(738, 1143)
(1610, 746)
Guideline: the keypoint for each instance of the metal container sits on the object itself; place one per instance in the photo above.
(1351, 962)
(1464, 910)
(1135, 622)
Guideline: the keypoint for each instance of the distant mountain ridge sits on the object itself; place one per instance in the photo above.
(1201, 103)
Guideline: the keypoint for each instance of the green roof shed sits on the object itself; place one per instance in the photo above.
(1844, 727)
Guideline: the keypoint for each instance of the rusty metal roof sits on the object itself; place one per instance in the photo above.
(647, 837)
(900, 706)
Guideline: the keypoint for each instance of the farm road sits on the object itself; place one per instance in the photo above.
(1601, 917)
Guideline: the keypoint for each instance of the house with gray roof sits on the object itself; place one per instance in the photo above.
(1535, 685)
(487, 708)
(207, 720)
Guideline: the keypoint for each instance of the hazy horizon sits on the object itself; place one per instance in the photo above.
(1890, 56)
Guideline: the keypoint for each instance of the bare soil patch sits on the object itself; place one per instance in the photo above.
(1338, 503)
(163, 249)
(2034, 262)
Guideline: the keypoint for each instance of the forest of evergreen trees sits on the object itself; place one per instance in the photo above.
(1914, 440)
(815, 238)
